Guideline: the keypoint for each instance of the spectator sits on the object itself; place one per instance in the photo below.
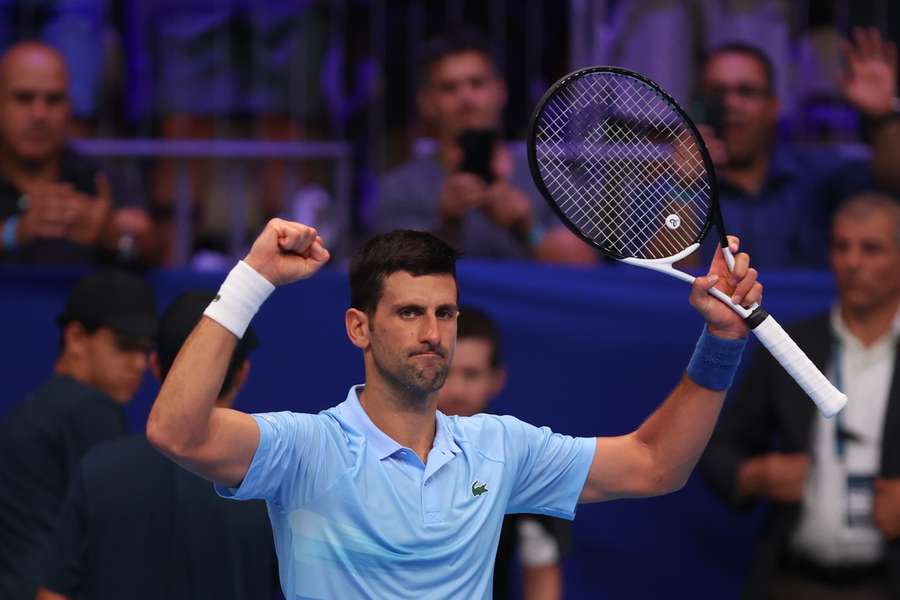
(476, 193)
(160, 532)
(775, 196)
(833, 530)
(55, 206)
(107, 327)
(477, 375)
(77, 29)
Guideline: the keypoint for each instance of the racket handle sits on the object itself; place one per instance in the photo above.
(828, 398)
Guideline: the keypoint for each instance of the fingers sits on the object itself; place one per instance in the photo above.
(293, 237)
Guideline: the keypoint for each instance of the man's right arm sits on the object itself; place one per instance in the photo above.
(217, 443)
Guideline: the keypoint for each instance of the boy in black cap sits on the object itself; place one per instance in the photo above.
(159, 531)
(107, 327)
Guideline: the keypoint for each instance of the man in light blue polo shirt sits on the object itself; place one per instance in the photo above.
(383, 496)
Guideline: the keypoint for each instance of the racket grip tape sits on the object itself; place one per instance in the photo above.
(828, 398)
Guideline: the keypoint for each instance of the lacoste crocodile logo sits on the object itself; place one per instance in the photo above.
(479, 488)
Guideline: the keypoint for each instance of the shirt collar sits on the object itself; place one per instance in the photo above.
(844, 335)
(380, 442)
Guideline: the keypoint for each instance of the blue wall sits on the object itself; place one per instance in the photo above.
(589, 352)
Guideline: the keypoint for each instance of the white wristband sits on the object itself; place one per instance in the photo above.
(241, 295)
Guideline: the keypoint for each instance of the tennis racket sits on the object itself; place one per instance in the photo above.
(627, 171)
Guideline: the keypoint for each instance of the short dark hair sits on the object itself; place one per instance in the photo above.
(753, 52)
(476, 323)
(176, 324)
(447, 44)
(416, 252)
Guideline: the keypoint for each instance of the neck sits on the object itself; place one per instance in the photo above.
(406, 419)
(25, 174)
(869, 324)
(748, 176)
(67, 365)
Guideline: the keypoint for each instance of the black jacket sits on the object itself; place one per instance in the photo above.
(769, 412)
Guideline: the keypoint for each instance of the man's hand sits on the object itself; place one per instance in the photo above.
(777, 477)
(49, 214)
(286, 252)
(740, 284)
(92, 213)
(508, 207)
(871, 78)
(460, 193)
(886, 507)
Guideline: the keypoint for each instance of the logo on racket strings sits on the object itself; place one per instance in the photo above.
(479, 488)
(673, 222)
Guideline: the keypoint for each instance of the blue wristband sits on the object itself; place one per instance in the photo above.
(9, 233)
(715, 361)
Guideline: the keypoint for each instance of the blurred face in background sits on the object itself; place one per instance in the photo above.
(463, 91)
(865, 257)
(750, 109)
(473, 382)
(105, 360)
(34, 102)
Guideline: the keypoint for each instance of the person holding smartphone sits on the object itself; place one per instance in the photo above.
(778, 196)
(475, 193)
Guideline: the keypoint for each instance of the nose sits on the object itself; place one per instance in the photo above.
(430, 333)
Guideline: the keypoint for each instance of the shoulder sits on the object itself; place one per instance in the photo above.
(132, 454)
(821, 158)
(489, 434)
(417, 171)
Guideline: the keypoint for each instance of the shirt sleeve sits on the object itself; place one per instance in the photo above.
(550, 469)
(64, 560)
(292, 462)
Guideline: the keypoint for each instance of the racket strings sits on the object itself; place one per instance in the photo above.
(622, 166)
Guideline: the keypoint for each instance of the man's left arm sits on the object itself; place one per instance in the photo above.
(869, 84)
(659, 456)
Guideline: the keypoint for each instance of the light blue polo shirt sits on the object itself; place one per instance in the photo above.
(357, 515)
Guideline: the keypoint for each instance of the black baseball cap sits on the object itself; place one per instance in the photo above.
(113, 298)
(177, 322)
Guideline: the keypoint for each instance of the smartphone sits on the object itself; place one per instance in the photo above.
(478, 152)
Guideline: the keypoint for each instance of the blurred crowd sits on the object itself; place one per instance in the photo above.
(431, 122)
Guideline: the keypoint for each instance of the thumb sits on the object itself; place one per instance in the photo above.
(701, 287)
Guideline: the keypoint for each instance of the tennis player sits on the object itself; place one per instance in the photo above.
(383, 496)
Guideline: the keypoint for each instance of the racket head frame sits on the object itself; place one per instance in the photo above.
(715, 215)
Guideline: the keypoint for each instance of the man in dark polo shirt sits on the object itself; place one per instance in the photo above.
(55, 205)
(134, 525)
(107, 327)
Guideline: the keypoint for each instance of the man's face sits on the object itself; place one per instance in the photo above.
(865, 259)
(413, 331)
(738, 82)
(473, 381)
(463, 92)
(34, 105)
(113, 364)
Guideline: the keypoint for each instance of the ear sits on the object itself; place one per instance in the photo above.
(498, 380)
(154, 366)
(75, 338)
(357, 324)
